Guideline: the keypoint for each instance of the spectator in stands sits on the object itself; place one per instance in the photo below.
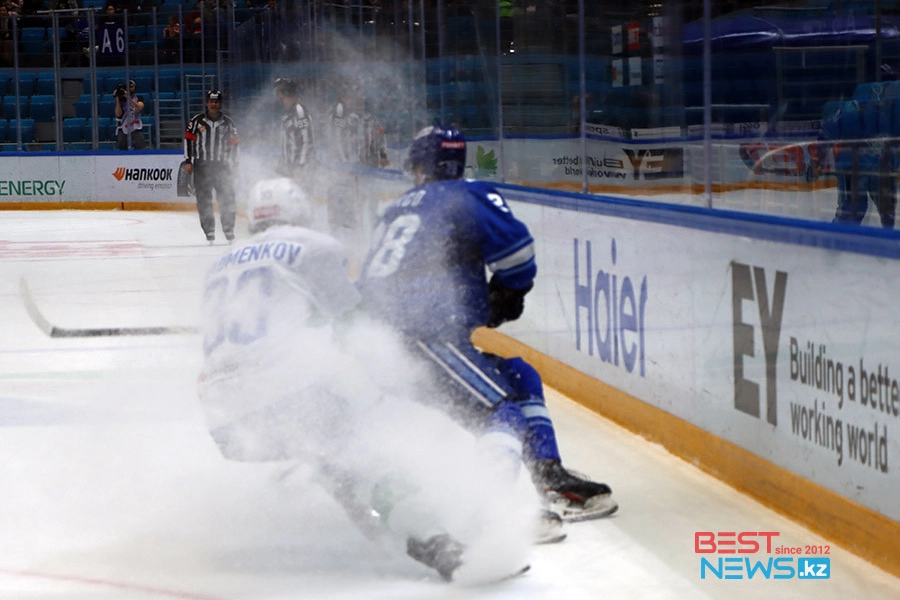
(171, 39)
(129, 104)
(30, 7)
(192, 31)
(132, 6)
(74, 44)
(193, 22)
(6, 28)
(64, 5)
(14, 7)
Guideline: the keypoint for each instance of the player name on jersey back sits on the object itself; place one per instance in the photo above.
(278, 251)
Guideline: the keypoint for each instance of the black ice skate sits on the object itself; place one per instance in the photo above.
(574, 498)
(440, 552)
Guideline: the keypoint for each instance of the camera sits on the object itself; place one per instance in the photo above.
(121, 92)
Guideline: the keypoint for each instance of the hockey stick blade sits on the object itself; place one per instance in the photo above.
(54, 331)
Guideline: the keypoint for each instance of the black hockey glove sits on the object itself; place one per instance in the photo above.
(504, 304)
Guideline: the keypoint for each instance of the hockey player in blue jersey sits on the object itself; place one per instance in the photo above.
(425, 275)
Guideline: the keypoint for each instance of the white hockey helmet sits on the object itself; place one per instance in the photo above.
(278, 202)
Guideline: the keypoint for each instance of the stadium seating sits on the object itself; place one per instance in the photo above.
(9, 107)
(106, 129)
(101, 82)
(42, 108)
(27, 130)
(46, 83)
(73, 129)
(144, 80)
(83, 106)
(149, 129)
(32, 41)
(169, 80)
(27, 83)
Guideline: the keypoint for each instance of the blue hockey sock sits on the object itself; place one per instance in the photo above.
(540, 440)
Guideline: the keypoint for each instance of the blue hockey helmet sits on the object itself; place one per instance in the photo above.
(440, 150)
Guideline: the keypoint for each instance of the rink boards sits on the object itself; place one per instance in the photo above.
(762, 350)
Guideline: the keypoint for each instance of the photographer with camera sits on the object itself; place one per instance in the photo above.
(128, 115)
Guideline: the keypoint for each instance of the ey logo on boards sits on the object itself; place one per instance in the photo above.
(751, 288)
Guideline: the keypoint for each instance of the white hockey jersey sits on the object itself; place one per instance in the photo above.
(268, 309)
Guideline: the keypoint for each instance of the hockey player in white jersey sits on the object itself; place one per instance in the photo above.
(289, 376)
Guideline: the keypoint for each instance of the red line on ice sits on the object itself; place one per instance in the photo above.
(163, 592)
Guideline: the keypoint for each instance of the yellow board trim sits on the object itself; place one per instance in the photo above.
(860, 530)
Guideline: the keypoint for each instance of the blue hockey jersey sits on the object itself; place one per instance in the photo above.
(426, 273)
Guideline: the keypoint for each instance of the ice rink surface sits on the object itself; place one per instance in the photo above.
(111, 487)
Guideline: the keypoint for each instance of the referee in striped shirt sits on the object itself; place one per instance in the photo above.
(296, 133)
(211, 151)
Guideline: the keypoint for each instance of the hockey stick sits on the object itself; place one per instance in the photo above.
(70, 332)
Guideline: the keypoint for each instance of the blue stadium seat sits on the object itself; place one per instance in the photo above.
(869, 91)
(114, 78)
(27, 81)
(46, 83)
(4, 84)
(149, 129)
(88, 130)
(169, 80)
(149, 103)
(73, 129)
(83, 106)
(9, 107)
(106, 129)
(144, 81)
(33, 33)
(101, 82)
(137, 33)
(145, 49)
(42, 108)
(4, 127)
(106, 105)
(32, 41)
(27, 130)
